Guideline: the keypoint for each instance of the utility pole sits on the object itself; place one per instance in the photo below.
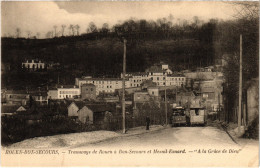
(123, 87)
(165, 99)
(240, 87)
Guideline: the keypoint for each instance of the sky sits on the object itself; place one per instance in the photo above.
(42, 16)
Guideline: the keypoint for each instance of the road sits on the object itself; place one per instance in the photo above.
(178, 146)
(169, 137)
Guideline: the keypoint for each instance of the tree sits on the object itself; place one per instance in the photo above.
(71, 28)
(77, 29)
(29, 34)
(247, 24)
(55, 29)
(105, 28)
(38, 35)
(18, 32)
(92, 27)
(62, 29)
(49, 34)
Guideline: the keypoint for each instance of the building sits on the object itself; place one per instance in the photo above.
(52, 94)
(17, 97)
(7, 110)
(184, 98)
(68, 91)
(203, 75)
(73, 109)
(153, 91)
(33, 65)
(136, 78)
(104, 85)
(88, 91)
(141, 97)
(211, 92)
(175, 80)
(85, 115)
(40, 97)
(89, 113)
(252, 101)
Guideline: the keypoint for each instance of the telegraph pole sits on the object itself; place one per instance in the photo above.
(240, 87)
(165, 99)
(123, 87)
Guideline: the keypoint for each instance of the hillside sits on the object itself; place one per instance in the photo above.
(103, 56)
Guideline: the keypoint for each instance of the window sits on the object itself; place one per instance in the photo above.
(91, 89)
(157, 78)
(87, 89)
(152, 92)
(163, 78)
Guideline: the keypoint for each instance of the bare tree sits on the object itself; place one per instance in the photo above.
(105, 28)
(71, 27)
(92, 27)
(247, 10)
(77, 28)
(62, 29)
(38, 35)
(18, 32)
(29, 34)
(49, 34)
(55, 29)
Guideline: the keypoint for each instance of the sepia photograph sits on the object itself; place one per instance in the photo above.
(130, 83)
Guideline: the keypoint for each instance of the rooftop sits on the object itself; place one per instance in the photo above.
(16, 92)
(95, 107)
(88, 84)
(67, 86)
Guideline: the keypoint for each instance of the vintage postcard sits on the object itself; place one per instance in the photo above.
(130, 83)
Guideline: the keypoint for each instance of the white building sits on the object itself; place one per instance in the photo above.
(137, 78)
(105, 85)
(33, 64)
(175, 80)
(68, 92)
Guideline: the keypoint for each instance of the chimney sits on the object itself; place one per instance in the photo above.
(74, 86)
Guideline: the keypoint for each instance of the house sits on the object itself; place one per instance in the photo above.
(88, 91)
(33, 65)
(73, 109)
(40, 97)
(89, 113)
(103, 85)
(17, 97)
(184, 98)
(85, 115)
(68, 91)
(52, 94)
(252, 94)
(141, 97)
(137, 78)
(12, 110)
(211, 91)
(175, 80)
(153, 91)
(21, 109)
